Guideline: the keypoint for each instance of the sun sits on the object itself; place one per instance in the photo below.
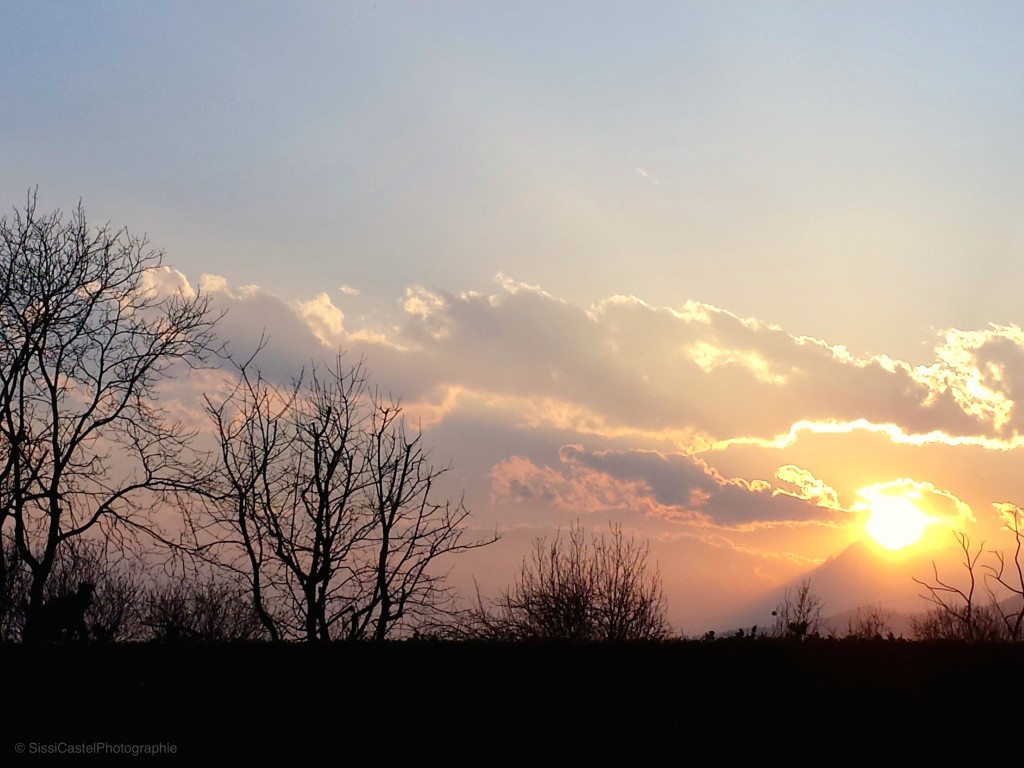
(895, 522)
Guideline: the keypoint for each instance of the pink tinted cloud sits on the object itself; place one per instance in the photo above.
(649, 484)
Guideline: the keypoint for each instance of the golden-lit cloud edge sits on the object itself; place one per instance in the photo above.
(896, 434)
(697, 374)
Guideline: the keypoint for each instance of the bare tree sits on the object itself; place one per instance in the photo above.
(956, 605)
(325, 503)
(85, 341)
(799, 614)
(959, 613)
(580, 588)
(869, 623)
(1010, 576)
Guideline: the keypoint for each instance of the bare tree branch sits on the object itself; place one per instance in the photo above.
(957, 604)
(86, 337)
(325, 502)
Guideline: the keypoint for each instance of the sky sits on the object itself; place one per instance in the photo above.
(725, 274)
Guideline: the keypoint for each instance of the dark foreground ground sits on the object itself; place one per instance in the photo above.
(473, 703)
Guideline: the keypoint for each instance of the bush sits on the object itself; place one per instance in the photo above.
(799, 614)
(580, 588)
(208, 610)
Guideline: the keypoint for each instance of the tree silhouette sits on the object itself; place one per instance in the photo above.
(1010, 575)
(86, 337)
(325, 502)
(956, 607)
(957, 610)
(799, 614)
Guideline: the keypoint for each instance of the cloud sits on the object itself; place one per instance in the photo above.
(324, 319)
(696, 368)
(893, 432)
(1011, 516)
(695, 374)
(643, 172)
(166, 281)
(292, 336)
(709, 357)
(984, 372)
(214, 284)
(253, 318)
(649, 484)
(428, 310)
(218, 284)
(808, 487)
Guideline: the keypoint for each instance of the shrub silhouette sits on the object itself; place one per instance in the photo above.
(580, 588)
(799, 614)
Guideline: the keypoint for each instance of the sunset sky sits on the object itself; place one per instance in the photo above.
(729, 274)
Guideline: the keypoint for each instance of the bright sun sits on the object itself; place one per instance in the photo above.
(895, 522)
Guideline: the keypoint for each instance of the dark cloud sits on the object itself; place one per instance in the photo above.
(674, 486)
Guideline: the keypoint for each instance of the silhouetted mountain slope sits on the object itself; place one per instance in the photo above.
(856, 577)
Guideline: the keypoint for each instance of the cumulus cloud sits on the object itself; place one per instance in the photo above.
(218, 284)
(214, 284)
(324, 319)
(984, 372)
(254, 319)
(428, 310)
(166, 281)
